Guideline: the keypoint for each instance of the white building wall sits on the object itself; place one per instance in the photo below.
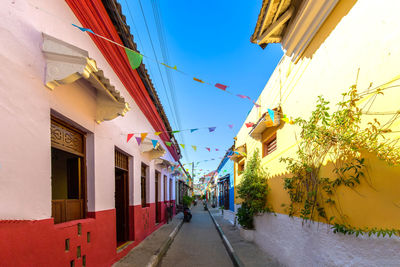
(26, 105)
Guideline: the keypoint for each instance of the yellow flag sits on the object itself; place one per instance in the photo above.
(157, 133)
(198, 80)
(194, 148)
(174, 67)
(143, 136)
(182, 145)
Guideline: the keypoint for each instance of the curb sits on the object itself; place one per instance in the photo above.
(232, 254)
(156, 258)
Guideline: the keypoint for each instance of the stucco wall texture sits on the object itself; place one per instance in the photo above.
(316, 245)
(25, 109)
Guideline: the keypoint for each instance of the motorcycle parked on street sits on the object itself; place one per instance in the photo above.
(187, 214)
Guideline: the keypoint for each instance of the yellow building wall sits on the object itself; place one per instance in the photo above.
(366, 41)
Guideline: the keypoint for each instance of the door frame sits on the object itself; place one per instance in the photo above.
(124, 167)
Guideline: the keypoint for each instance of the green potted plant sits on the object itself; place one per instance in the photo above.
(253, 190)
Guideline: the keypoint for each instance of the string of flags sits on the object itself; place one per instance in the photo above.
(192, 130)
(135, 59)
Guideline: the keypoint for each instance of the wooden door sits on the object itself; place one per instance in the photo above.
(121, 197)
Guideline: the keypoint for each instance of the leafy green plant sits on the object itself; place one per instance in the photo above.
(253, 190)
(337, 136)
(187, 201)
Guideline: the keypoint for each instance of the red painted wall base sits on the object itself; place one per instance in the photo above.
(43, 243)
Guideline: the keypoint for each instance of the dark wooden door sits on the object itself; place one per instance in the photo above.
(121, 205)
(226, 194)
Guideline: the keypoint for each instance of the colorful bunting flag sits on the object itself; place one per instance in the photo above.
(209, 149)
(230, 126)
(172, 168)
(168, 143)
(271, 114)
(154, 142)
(174, 67)
(193, 130)
(285, 120)
(83, 29)
(198, 80)
(194, 148)
(216, 149)
(211, 129)
(221, 86)
(134, 58)
(138, 140)
(143, 136)
(182, 145)
(129, 137)
(241, 96)
(249, 124)
(157, 133)
(257, 105)
(175, 132)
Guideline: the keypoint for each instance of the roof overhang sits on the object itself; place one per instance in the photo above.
(239, 153)
(264, 123)
(67, 64)
(150, 151)
(293, 23)
(163, 162)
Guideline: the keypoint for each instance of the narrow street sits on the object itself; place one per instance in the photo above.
(197, 244)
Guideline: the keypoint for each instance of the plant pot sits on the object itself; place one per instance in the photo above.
(247, 234)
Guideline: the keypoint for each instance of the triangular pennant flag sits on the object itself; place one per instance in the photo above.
(198, 80)
(237, 153)
(157, 133)
(129, 137)
(230, 126)
(175, 132)
(168, 143)
(209, 149)
(221, 86)
(154, 142)
(172, 168)
(249, 124)
(285, 120)
(194, 148)
(211, 129)
(143, 136)
(174, 67)
(193, 130)
(216, 149)
(138, 140)
(182, 145)
(242, 96)
(257, 105)
(291, 121)
(83, 29)
(271, 114)
(134, 58)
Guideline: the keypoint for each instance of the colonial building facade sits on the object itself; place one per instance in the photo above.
(73, 190)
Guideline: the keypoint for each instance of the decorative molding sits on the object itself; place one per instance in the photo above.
(303, 27)
(66, 64)
(148, 149)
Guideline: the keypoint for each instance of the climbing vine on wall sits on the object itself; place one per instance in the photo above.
(341, 138)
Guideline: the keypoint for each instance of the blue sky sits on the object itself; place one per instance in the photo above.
(209, 40)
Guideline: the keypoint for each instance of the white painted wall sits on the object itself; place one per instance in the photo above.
(26, 105)
(316, 245)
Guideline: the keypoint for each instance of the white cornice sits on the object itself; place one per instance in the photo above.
(303, 27)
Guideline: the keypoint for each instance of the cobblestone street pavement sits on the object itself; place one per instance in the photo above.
(197, 244)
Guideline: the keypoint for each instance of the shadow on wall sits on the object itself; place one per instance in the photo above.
(375, 202)
(342, 9)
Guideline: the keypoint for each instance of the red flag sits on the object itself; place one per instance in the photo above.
(230, 126)
(129, 137)
(249, 124)
(221, 86)
(209, 149)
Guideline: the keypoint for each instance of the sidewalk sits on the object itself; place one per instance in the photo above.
(249, 253)
(141, 255)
